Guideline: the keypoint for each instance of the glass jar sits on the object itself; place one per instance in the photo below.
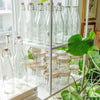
(39, 72)
(54, 62)
(55, 78)
(74, 69)
(63, 61)
(39, 57)
(61, 53)
(35, 50)
(8, 72)
(64, 77)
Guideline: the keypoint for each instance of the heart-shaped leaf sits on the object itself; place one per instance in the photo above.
(66, 95)
(75, 38)
(79, 47)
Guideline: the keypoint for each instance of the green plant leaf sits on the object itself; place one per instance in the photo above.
(97, 92)
(66, 95)
(76, 86)
(93, 91)
(94, 54)
(30, 56)
(81, 64)
(63, 48)
(43, 0)
(72, 61)
(92, 35)
(75, 38)
(79, 47)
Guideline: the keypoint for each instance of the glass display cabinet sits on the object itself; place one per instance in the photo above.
(40, 64)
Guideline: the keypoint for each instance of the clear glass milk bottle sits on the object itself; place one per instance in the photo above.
(41, 26)
(21, 21)
(54, 28)
(75, 17)
(35, 19)
(9, 44)
(37, 12)
(18, 62)
(7, 72)
(59, 37)
(67, 21)
(47, 23)
(30, 23)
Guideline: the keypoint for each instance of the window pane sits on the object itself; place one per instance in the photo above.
(1, 5)
(5, 16)
(9, 4)
(5, 4)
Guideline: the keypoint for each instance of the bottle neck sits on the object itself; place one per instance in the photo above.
(41, 11)
(22, 11)
(59, 8)
(6, 54)
(31, 8)
(41, 8)
(22, 8)
(18, 46)
(48, 8)
(7, 41)
(38, 7)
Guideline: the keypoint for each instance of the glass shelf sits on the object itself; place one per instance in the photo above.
(43, 46)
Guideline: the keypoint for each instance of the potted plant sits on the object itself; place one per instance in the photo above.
(84, 89)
